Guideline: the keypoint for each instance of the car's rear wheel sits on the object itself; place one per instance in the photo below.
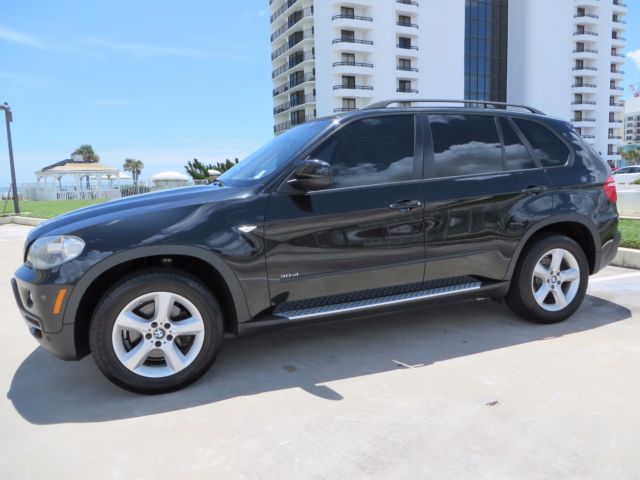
(550, 281)
(156, 332)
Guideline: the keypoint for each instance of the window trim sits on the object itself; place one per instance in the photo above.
(418, 149)
(570, 158)
(432, 155)
(429, 169)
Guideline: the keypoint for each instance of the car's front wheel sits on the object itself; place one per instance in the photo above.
(156, 332)
(550, 281)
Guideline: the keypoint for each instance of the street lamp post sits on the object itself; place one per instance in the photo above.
(8, 118)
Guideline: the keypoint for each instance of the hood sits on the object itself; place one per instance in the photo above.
(135, 205)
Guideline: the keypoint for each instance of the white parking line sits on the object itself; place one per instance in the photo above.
(614, 277)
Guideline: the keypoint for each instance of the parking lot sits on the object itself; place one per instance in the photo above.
(455, 391)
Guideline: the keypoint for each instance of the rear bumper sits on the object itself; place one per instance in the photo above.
(609, 250)
(36, 304)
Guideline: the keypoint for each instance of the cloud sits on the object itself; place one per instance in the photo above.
(635, 56)
(145, 50)
(20, 38)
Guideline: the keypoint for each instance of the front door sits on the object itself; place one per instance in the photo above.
(366, 231)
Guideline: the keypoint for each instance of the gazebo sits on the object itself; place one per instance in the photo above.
(88, 180)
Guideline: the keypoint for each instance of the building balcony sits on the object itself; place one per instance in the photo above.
(585, 54)
(356, 68)
(286, 5)
(407, 90)
(584, 87)
(407, 29)
(585, 71)
(587, 3)
(583, 122)
(620, 7)
(284, 126)
(584, 105)
(344, 109)
(410, 6)
(618, 58)
(355, 90)
(586, 19)
(585, 36)
(291, 43)
(353, 44)
(406, 47)
(616, 91)
(307, 13)
(618, 41)
(352, 21)
(307, 56)
(286, 106)
(615, 137)
(619, 25)
(617, 75)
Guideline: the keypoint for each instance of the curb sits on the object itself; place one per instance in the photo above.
(627, 258)
(29, 221)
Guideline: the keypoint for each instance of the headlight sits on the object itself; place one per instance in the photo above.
(49, 252)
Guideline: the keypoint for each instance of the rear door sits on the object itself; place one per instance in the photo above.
(483, 190)
(366, 231)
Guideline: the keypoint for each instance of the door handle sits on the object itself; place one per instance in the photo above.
(534, 189)
(405, 205)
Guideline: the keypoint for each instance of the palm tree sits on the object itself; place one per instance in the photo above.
(88, 155)
(134, 167)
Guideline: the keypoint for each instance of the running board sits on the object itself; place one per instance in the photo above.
(438, 288)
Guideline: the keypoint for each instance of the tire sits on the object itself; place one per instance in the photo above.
(537, 272)
(156, 331)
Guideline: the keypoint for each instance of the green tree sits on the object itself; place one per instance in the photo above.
(200, 171)
(197, 170)
(88, 155)
(226, 165)
(631, 156)
(134, 167)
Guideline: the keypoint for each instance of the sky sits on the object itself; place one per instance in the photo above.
(163, 81)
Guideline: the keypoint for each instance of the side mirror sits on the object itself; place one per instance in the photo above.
(311, 175)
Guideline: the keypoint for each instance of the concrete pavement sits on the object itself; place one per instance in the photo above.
(457, 391)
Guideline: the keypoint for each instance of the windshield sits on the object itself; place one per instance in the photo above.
(268, 159)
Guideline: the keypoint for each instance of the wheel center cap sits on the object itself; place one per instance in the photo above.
(158, 333)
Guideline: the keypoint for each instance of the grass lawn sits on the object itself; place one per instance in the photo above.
(630, 233)
(48, 209)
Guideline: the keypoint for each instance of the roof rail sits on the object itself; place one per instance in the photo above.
(468, 103)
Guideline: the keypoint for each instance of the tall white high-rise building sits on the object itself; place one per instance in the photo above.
(560, 56)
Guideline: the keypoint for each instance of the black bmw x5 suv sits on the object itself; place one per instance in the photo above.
(362, 210)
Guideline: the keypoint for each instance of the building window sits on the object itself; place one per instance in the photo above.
(486, 34)
(347, 35)
(404, 64)
(348, 81)
(404, 20)
(404, 42)
(404, 86)
(349, 58)
(349, 103)
(347, 12)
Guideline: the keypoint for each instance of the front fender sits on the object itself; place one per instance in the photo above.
(78, 292)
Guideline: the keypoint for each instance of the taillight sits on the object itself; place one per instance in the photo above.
(610, 189)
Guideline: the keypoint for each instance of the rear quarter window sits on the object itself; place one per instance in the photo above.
(547, 147)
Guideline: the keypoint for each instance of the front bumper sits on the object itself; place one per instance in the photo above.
(609, 250)
(37, 304)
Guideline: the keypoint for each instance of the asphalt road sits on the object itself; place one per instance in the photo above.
(482, 394)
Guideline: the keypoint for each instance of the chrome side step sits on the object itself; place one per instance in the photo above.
(437, 288)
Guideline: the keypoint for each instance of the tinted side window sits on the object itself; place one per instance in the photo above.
(465, 144)
(516, 155)
(547, 148)
(371, 151)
